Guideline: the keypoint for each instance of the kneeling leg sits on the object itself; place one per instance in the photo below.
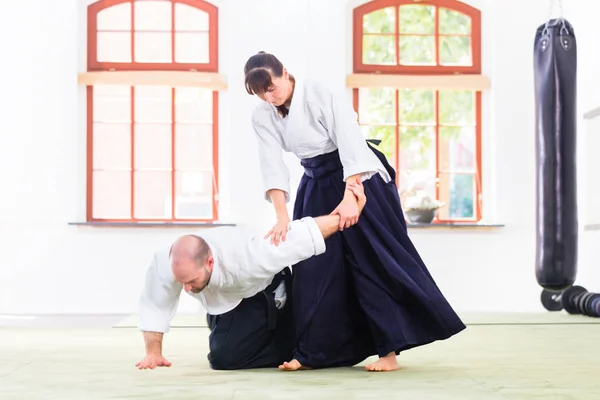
(240, 339)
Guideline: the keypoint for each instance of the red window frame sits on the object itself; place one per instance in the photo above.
(360, 68)
(213, 21)
(94, 65)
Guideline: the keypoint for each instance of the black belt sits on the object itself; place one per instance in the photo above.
(285, 275)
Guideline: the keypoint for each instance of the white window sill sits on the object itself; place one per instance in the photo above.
(456, 225)
(158, 224)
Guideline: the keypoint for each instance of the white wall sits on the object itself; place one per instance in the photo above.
(50, 267)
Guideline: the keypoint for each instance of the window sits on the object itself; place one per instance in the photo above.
(427, 116)
(152, 123)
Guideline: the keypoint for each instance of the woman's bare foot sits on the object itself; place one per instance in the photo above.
(387, 363)
(293, 365)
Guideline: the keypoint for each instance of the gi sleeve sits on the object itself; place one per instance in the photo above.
(275, 174)
(304, 240)
(342, 123)
(160, 297)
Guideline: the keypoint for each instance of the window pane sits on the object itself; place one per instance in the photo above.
(152, 194)
(380, 21)
(376, 105)
(457, 149)
(114, 47)
(416, 106)
(193, 147)
(153, 104)
(190, 19)
(111, 146)
(111, 194)
(454, 22)
(152, 146)
(417, 19)
(379, 49)
(457, 191)
(456, 50)
(191, 47)
(193, 105)
(153, 15)
(457, 107)
(115, 18)
(153, 47)
(387, 135)
(417, 159)
(417, 50)
(112, 103)
(194, 194)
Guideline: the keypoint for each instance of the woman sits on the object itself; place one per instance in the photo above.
(370, 292)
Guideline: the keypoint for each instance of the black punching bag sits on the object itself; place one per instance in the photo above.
(555, 71)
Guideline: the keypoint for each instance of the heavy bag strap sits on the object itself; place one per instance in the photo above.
(565, 33)
(561, 18)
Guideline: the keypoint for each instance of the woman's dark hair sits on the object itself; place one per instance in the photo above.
(258, 70)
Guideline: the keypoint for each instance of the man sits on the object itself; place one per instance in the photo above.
(242, 280)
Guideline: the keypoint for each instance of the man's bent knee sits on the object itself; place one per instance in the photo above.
(224, 360)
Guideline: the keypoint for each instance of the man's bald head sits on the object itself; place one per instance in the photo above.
(191, 262)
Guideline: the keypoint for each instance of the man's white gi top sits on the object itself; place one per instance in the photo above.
(245, 265)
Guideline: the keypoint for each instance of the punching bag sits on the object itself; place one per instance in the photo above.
(555, 71)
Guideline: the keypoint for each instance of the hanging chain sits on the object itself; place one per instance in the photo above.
(560, 14)
(551, 8)
(560, 9)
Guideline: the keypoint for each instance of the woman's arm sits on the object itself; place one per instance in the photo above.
(352, 180)
(358, 160)
(275, 178)
(348, 209)
(341, 122)
(279, 231)
(278, 198)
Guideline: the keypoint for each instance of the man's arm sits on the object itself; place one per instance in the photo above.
(306, 238)
(328, 224)
(157, 306)
(160, 295)
(154, 357)
(153, 342)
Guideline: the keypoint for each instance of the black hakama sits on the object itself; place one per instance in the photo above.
(255, 334)
(369, 293)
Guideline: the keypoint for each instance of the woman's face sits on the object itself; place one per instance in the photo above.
(279, 92)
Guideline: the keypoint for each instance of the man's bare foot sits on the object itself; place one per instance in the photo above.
(387, 363)
(293, 365)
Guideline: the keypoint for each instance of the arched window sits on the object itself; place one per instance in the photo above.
(418, 89)
(152, 106)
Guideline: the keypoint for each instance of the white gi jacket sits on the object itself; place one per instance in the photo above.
(245, 265)
(319, 122)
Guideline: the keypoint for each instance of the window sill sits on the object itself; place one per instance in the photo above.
(591, 227)
(134, 224)
(455, 225)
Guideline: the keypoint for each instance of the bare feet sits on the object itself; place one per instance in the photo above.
(387, 363)
(293, 365)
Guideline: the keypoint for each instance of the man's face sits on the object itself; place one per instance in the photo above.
(193, 278)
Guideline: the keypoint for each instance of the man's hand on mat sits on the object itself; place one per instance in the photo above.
(279, 232)
(152, 361)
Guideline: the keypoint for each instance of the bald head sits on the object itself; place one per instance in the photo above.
(191, 262)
